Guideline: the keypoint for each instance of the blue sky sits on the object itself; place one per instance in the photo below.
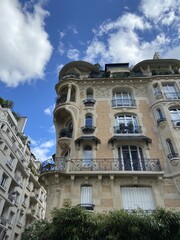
(38, 37)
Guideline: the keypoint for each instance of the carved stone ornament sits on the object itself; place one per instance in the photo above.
(64, 142)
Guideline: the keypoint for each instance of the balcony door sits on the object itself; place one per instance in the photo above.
(87, 157)
(131, 158)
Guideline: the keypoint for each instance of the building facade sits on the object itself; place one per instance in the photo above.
(22, 198)
(117, 137)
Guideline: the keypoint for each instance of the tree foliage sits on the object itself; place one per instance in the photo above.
(77, 224)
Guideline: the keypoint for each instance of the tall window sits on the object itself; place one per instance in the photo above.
(86, 196)
(159, 114)
(122, 99)
(3, 180)
(87, 157)
(88, 121)
(170, 91)
(175, 115)
(171, 150)
(131, 158)
(137, 197)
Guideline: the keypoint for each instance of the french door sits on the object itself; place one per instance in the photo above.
(131, 158)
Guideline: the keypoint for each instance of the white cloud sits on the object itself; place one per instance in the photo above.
(49, 110)
(161, 11)
(73, 54)
(133, 38)
(24, 45)
(61, 48)
(52, 129)
(43, 150)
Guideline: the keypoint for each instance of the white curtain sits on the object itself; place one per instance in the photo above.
(137, 197)
(86, 194)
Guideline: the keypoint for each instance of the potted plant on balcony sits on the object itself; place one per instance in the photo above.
(130, 127)
(122, 127)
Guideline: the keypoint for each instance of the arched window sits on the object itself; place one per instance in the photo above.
(89, 93)
(89, 121)
(87, 157)
(131, 158)
(159, 113)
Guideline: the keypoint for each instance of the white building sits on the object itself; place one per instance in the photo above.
(22, 198)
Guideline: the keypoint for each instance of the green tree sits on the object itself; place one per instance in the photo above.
(78, 224)
(6, 103)
(37, 231)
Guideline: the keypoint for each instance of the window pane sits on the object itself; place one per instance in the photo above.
(88, 121)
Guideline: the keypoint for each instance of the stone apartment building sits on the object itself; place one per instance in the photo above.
(22, 198)
(117, 137)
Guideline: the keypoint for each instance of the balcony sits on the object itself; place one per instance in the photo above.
(174, 159)
(3, 221)
(176, 123)
(65, 132)
(31, 212)
(89, 102)
(34, 197)
(129, 129)
(119, 102)
(65, 137)
(172, 95)
(87, 206)
(161, 122)
(106, 165)
(88, 129)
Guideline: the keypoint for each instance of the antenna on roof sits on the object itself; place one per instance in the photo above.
(156, 55)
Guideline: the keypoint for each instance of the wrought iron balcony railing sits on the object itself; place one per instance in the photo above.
(87, 206)
(119, 102)
(127, 129)
(172, 155)
(89, 102)
(106, 164)
(88, 129)
(65, 132)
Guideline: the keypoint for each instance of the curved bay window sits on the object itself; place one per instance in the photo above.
(175, 115)
(126, 124)
(122, 99)
(67, 93)
(131, 158)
